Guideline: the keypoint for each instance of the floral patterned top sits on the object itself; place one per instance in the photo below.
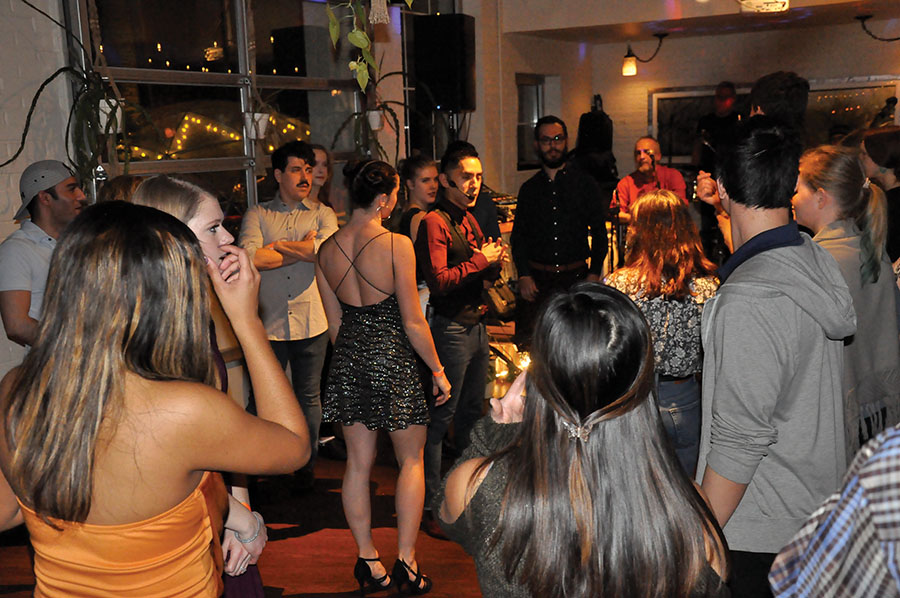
(675, 324)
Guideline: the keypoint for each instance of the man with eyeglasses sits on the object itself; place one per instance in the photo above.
(648, 175)
(558, 209)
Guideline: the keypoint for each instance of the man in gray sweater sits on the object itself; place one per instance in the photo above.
(772, 440)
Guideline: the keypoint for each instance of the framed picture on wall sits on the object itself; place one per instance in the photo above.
(835, 108)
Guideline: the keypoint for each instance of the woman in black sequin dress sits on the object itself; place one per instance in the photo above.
(366, 277)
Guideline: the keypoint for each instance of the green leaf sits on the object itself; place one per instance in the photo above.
(334, 27)
(362, 77)
(360, 11)
(370, 60)
(353, 65)
(358, 38)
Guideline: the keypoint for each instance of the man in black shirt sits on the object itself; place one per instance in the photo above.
(557, 209)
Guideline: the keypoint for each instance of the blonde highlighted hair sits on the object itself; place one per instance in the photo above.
(838, 171)
(127, 292)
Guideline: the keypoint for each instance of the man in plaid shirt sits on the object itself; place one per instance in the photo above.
(849, 547)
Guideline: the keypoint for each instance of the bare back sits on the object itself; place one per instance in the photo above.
(153, 448)
(359, 265)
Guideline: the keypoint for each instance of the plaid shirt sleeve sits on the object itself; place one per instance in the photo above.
(849, 546)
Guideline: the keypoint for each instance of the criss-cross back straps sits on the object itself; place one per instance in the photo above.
(352, 265)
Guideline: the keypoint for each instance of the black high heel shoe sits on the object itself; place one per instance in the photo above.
(401, 576)
(367, 581)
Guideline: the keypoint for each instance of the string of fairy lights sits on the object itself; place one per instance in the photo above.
(195, 128)
(196, 131)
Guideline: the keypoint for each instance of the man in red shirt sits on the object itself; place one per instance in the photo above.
(648, 175)
(455, 258)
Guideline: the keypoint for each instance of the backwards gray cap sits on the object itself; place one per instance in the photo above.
(39, 177)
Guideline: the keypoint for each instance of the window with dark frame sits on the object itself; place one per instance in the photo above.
(530, 91)
(194, 85)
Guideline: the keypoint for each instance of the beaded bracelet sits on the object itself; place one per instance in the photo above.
(259, 525)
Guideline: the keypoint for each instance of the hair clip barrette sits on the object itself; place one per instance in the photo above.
(580, 432)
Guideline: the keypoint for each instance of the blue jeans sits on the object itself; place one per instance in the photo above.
(679, 409)
(463, 351)
(307, 358)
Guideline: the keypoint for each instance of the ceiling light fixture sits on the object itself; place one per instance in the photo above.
(764, 5)
(629, 63)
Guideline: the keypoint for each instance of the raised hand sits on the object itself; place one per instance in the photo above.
(510, 408)
(238, 294)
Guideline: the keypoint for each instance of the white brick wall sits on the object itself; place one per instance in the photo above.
(32, 50)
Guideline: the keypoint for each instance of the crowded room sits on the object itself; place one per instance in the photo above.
(469, 298)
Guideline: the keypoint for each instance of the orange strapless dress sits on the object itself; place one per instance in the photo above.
(175, 553)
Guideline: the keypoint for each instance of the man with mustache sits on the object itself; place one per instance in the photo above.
(282, 237)
(649, 174)
(557, 210)
(51, 196)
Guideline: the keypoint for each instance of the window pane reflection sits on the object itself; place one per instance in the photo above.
(313, 116)
(164, 122)
(169, 34)
(292, 39)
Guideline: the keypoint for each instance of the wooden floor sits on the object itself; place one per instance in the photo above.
(310, 552)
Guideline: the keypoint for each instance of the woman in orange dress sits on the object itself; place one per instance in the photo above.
(110, 428)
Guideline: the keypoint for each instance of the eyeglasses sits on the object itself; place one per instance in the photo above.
(649, 152)
(557, 140)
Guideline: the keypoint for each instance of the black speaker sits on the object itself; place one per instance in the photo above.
(444, 62)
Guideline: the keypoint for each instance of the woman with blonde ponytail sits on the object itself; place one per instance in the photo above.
(847, 213)
(569, 487)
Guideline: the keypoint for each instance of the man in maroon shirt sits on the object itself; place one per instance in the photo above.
(649, 174)
(455, 260)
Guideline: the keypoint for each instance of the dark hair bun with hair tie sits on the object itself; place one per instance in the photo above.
(368, 179)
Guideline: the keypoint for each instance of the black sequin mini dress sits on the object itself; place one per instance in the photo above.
(373, 378)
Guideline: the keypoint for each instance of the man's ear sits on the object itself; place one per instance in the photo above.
(723, 197)
(278, 175)
(445, 182)
(44, 197)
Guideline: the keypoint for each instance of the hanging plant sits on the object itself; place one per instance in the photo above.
(357, 36)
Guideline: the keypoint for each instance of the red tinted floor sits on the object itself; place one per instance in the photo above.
(310, 551)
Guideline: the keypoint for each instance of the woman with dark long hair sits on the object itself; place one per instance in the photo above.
(111, 428)
(366, 277)
(670, 279)
(846, 213)
(584, 498)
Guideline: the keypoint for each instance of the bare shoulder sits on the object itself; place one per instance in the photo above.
(402, 244)
(175, 400)
(461, 487)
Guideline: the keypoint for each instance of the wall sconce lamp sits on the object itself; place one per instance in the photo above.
(629, 64)
(862, 21)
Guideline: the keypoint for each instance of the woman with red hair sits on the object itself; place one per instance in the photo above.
(670, 279)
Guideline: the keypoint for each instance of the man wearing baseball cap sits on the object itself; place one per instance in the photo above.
(52, 197)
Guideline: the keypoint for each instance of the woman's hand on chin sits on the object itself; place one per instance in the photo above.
(237, 286)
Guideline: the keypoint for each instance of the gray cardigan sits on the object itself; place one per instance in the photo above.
(872, 355)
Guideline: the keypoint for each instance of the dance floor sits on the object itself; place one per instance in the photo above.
(310, 552)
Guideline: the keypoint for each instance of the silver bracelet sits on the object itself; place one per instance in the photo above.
(259, 526)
